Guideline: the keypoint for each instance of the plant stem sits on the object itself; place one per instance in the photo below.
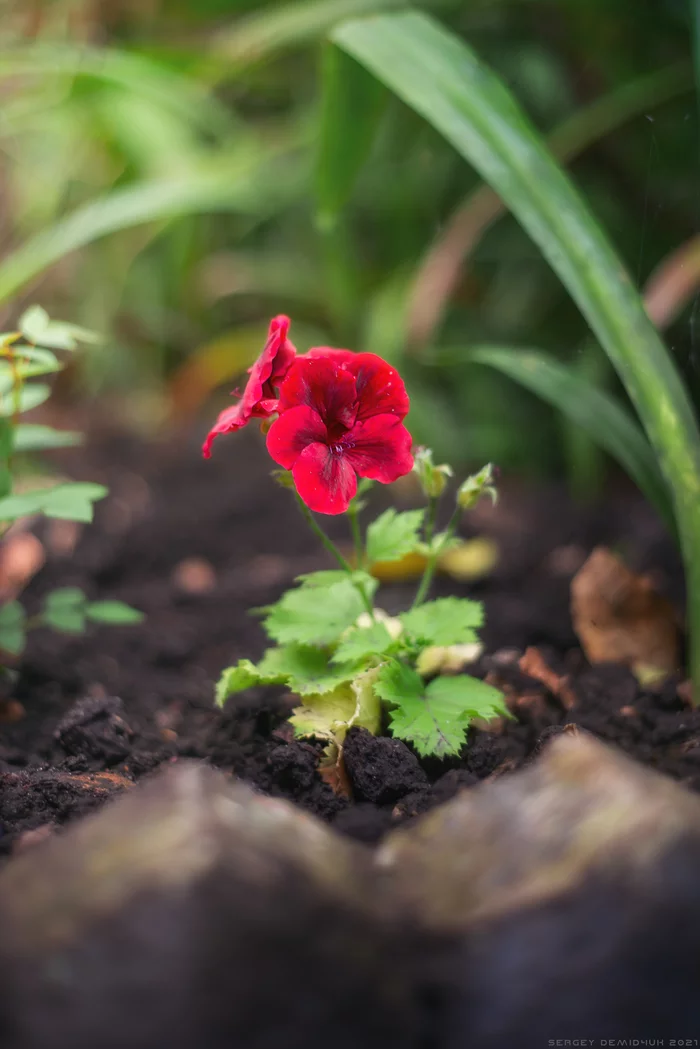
(430, 567)
(431, 518)
(354, 517)
(333, 549)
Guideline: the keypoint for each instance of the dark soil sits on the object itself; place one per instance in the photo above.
(195, 545)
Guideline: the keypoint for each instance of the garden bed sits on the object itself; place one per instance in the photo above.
(195, 545)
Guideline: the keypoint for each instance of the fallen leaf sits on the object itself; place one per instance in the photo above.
(619, 617)
(533, 664)
(11, 711)
(469, 560)
(333, 772)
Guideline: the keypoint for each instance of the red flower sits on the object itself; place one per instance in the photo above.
(340, 416)
(259, 400)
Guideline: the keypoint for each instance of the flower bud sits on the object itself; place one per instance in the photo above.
(481, 483)
(432, 478)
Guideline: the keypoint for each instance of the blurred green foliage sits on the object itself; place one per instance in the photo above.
(185, 148)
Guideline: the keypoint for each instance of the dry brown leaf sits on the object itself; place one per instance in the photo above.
(619, 617)
(533, 664)
(21, 557)
(11, 711)
(333, 772)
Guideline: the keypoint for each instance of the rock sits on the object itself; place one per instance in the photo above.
(575, 888)
(192, 913)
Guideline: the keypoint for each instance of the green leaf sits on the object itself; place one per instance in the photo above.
(327, 577)
(72, 501)
(242, 183)
(361, 642)
(434, 718)
(351, 104)
(305, 669)
(31, 396)
(316, 616)
(33, 361)
(440, 77)
(115, 612)
(237, 679)
(33, 437)
(394, 534)
(12, 628)
(595, 411)
(33, 323)
(329, 716)
(446, 621)
(64, 609)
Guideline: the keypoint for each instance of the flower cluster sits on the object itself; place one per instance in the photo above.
(339, 416)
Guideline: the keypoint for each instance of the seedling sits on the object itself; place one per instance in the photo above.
(26, 354)
(335, 425)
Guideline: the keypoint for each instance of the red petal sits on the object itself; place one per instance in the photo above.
(323, 385)
(380, 388)
(269, 370)
(325, 480)
(379, 448)
(292, 433)
(330, 354)
(229, 420)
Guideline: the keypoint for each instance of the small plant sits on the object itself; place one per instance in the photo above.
(340, 418)
(26, 354)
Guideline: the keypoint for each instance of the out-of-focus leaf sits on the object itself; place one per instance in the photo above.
(114, 613)
(31, 396)
(131, 72)
(33, 437)
(243, 185)
(72, 501)
(351, 104)
(605, 420)
(439, 76)
(283, 26)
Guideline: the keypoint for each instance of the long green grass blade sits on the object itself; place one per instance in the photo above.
(279, 27)
(597, 413)
(132, 72)
(441, 78)
(351, 104)
(243, 185)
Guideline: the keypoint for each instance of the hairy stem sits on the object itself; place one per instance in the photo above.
(333, 549)
(354, 517)
(429, 571)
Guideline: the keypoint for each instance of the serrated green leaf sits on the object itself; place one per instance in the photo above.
(361, 642)
(434, 718)
(327, 577)
(394, 535)
(236, 679)
(329, 716)
(305, 669)
(116, 613)
(446, 621)
(313, 616)
(330, 576)
(33, 437)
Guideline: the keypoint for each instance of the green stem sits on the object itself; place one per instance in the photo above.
(354, 517)
(430, 567)
(431, 518)
(333, 549)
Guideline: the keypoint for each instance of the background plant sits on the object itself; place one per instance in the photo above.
(25, 355)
